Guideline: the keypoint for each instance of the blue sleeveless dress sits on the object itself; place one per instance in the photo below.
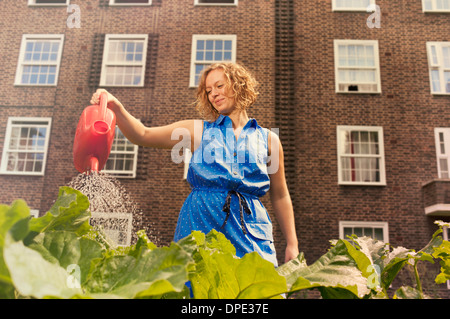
(227, 178)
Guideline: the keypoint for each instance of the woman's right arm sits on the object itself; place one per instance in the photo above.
(160, 137)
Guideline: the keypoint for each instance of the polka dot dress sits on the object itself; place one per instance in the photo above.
(227, 178)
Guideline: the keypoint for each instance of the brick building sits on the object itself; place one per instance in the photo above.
(361, 107)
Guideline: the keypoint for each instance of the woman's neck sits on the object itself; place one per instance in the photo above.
(239, 119)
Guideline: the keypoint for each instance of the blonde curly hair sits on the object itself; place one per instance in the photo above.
(239, 80)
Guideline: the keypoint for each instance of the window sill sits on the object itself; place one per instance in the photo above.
(21, 173)
(361, 184)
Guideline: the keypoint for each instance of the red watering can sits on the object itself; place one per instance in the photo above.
(94, 137)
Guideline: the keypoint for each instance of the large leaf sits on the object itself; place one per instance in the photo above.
(213, 276)
(219, 274)
(374, 250)
(70, 212)
(291, 269)
(393, 263)
(400, 256)
(408, 293)
(152, 274)
(13, 220)
(257, 278)
(443, 252)
(335, 274)
(36, 277)
(68, 250)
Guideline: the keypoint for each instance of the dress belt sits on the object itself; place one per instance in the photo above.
(243, 207)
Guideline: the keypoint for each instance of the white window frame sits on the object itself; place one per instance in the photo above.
(433, 8)
(364, 224)
(106, 63)
(21, 61)
(113, 3)
(194, 61)
(134, 153)
(198, 3)
(341, 154)
(335, 8)
(17, 122)
(375, 68)
(442, 151)
(436, 63)
(33, 3)
(126, 216)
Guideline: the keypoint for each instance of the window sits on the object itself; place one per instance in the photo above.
(360, 155)
(48, 2)
(129, 2)
(39, 60)
(357, 66)
(26, 144)
(436, 5)
(209, 49)
(124, 59)
(439, 65)
(375, 230)
(351, 5)
(123, 157)
(442, 142)
(117, 226)
(216, 2)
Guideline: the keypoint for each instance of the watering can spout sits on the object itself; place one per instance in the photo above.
(93, 164)
(94, 137)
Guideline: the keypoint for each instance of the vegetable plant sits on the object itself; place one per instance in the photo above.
(60, 255)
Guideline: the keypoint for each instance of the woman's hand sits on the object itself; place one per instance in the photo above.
(111, 100)
(291, 252)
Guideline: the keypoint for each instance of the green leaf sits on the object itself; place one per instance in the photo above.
(375, 251)
(291, 269)
(443, 252)
(214, 276)
(393, 263)
(143, 243)
(407, 292)
(59, 247)
(257, 278)
(219, 274)
(334, 272)
(70, 212)
(34, 276)
(10, 216)
(149, 275)
(66, 248)
(13, 221)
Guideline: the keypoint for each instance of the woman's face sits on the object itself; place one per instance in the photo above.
(218, 93)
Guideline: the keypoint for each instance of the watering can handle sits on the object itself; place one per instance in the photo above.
(103, 102)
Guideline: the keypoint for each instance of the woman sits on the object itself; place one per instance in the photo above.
(229, 169)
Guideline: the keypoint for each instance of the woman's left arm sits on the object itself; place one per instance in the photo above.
(280, 198)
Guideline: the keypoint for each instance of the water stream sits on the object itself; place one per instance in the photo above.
(112, 207)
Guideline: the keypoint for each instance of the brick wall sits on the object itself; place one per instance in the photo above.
(405, 109)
